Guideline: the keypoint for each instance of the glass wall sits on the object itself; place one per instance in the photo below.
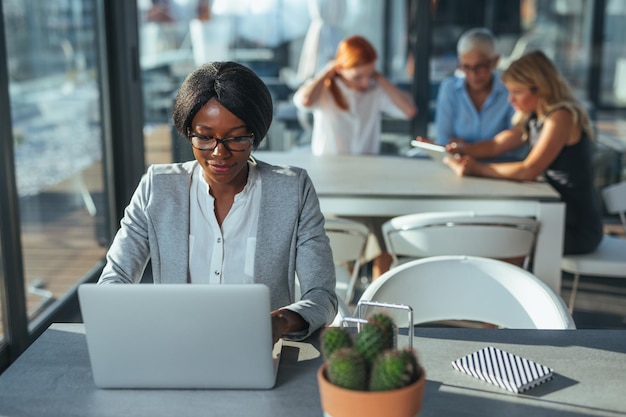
(565, 31)
(560, 28)
(54, 95)
(57, 140)
(283, 41)
(287, 41)
(2, 278)
(613, 77)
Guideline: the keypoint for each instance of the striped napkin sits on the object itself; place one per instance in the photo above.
(504, 369)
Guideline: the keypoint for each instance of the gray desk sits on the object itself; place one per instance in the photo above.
(387, 186)
(52, 378)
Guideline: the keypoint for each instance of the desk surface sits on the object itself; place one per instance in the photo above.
(388, 186)
(380, 176)
(53, 378)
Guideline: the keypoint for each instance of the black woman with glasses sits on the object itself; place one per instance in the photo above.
(472, 105)
(224, 217)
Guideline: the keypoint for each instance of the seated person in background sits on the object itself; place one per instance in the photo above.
(226, 218)
(159, 12)
(560, 136)
(348, 99)
(474, 107)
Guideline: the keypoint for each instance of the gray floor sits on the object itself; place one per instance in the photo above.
(600, 302)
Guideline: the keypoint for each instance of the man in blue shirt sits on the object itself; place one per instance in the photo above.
(474, 107)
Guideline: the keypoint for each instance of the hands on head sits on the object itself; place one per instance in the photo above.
(330, 70)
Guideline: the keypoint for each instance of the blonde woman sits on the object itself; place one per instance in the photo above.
(560, 136)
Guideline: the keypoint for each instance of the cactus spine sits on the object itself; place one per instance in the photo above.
(370, 342)
(370, 361)
(389, 329)
(334, 338)
(410, 357)
(392, 369)
(347, 369)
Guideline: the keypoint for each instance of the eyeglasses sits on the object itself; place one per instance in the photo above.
(478, 68)
(235, 144)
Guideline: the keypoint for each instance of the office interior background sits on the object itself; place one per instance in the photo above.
(86, 90)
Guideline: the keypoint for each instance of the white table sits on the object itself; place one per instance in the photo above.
(388, 186)
(53, 378)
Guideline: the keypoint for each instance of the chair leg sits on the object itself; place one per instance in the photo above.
(572, 296)
(353, 277)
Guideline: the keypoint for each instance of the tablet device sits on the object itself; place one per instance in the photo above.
(436, 152)
(179, 335)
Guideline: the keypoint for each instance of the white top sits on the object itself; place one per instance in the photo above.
(217, 254)
(355, 131)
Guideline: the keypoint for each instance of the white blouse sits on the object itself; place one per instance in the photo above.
(356, 131)
(223, 255)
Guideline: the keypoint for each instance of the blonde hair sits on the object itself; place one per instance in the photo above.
(536, 71)
(352, 52)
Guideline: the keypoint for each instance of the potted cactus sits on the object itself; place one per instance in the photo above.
(365, 374)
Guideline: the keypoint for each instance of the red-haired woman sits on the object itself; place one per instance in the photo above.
(348, 98)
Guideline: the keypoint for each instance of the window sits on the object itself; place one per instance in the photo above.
(269, 37)
(54, 96)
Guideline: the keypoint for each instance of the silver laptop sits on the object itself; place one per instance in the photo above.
(180, 335)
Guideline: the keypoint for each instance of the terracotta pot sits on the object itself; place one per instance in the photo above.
(341, 402)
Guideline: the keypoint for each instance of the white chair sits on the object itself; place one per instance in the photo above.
(347, 241)
(467, 288)
(609, 259)
(422, 235)
(343, 310)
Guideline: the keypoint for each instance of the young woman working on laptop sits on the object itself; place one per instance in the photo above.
(226, 218)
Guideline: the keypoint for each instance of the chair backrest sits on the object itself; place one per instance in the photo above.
(422, 235)
(347, 241)
(614, 196)
(469, 288)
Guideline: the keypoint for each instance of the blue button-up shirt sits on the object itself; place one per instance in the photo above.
(456, 116)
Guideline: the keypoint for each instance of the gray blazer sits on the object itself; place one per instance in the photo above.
(290, 238)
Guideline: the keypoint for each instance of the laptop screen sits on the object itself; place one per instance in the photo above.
(179, 335)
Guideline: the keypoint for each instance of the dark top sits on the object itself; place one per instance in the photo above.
(571, 175)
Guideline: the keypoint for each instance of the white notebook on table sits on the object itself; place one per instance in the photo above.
(189, 336)
(503, 369)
